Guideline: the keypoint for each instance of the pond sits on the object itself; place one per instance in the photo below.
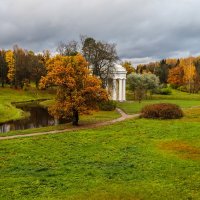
(39, 117)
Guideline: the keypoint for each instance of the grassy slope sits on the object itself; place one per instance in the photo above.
(8, 95)
(135, 159)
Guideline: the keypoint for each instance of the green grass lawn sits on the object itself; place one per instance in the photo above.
(176, 94)
(184, 100)
(134, 159)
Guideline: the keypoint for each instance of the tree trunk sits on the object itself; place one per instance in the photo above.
(75, 117)
(2, 83)
(36, 83)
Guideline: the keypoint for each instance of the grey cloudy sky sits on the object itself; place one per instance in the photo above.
(144, 30)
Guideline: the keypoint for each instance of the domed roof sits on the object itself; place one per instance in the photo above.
(119, 68)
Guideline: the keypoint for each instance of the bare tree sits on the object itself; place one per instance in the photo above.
(101, 56)
(68, 49)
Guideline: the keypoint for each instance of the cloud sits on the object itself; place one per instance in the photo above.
(137, 61)
(141, 29)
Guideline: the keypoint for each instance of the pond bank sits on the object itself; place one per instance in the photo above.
(123, 117)
(33, 116)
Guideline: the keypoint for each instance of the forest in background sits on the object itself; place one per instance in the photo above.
(20, 67)
(182, 74)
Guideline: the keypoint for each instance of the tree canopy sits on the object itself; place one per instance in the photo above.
(128, 66)
(141, 83)
(77, 90)
(101, 57)
(19, 66)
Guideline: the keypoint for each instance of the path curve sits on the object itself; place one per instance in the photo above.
(123, 117)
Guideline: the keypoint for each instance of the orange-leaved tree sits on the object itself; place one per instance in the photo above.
(77, 90)
(175, 76)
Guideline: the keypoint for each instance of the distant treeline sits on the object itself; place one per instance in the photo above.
(19, 67)
(182, 74)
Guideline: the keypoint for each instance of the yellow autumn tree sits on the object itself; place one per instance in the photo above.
(77, 90)
(171, 62)
(10, 60)
(128, 66)
(189, 72)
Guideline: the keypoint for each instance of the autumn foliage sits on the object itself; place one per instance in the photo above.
(11, 65)
(182, 73)
(185, 74)
(19, 67)
(128, 66)
(77, 90)
(176, 75)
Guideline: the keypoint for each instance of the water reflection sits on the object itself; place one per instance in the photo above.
(39, 117)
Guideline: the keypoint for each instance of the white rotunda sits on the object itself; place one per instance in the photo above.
(117, 83)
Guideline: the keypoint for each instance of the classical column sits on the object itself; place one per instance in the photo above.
(120, 90)
(114, 92)
(124, 90)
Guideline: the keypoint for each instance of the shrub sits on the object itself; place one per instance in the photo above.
(162, 111)
(108, 105)
(164, 91)
(182, 89)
